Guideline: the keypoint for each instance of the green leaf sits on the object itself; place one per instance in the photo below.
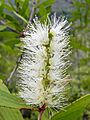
(10, 114)
(47, 3)
(21, 17)
(10, 101)
(3, 87)
(45, 8)
(12, 22)
(7, 48)
(2, 27)
(1, 7)
(11, 4)
(42, 10)
(73, 111)
(24, 7)
(7, 34)
(8, 7)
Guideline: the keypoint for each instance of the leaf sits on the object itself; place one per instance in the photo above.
(45, 8)
(10, 114)
(2, 27)
(6, 48)
(7, 34)
(42, 10)
(12, 22)
(21, 17)
(7, 113)
(24, 7)
(3, 87)
(8, 7)
(47, 3)
(9, 100)
(1, 7)
(73, 111)
(11, 4)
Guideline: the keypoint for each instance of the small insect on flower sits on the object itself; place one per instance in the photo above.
(42, 69)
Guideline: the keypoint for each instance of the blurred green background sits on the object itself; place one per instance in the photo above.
(14, 16)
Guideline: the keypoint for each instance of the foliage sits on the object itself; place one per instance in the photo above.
(73, 111)
(10, 105)
(14, 17)
(7, 113)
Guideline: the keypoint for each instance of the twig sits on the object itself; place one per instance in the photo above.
(40, 115)
(41, 111)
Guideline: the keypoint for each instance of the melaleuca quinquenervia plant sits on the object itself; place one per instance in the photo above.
(42, 69)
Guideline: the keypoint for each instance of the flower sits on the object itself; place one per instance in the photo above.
(42, 69)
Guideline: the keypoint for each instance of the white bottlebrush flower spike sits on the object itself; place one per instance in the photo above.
(42, 69)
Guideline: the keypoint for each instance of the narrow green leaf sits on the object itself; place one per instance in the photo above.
(7, 34)
(11, 4)
(73, 111)
(24, 7)
(21, 17)
(12, 22)
(8, 7)
(1, 7)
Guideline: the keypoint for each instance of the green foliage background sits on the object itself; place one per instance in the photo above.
(14, 17)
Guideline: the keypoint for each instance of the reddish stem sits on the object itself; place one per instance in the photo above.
(41, 111)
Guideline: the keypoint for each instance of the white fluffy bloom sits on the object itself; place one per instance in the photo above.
(42, 69)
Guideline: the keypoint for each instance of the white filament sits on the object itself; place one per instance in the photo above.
(41, 71)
